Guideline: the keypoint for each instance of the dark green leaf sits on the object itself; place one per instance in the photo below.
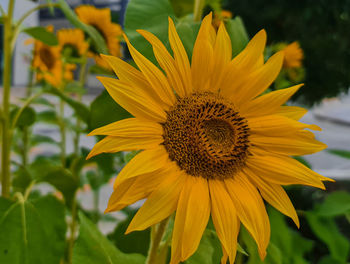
(327, 231)
(26, 118)
(238, 35)
(98, 40)
(209, 249)
(41, 139)
(149, 15)
(92, 247)
(21, 179)
(135, 242)
(104, 110)
(48, 116)
(27, 235)
(336, 203)
(341, 153)
(42, 34)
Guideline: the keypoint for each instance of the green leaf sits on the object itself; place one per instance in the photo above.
(42, 34)
(238, 34)
(92, 247)
(48, 116)
(32, 233)
(52, 211)
(341, 153)
(303, 161)
(81, 110)
(135, 242)
(336, 203)
(36, 140)
(26, 118)
(21, 179)
(98, 40)
(104, 110)
(327, 231)
(149, 15)
(209, 250)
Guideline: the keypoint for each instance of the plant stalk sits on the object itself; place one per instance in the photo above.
(82, 79)
(157, 233)
(73, 225)
(198, 10)
(63, 133)
(6, 133)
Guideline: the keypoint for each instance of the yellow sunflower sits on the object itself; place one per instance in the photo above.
(293, 55)
(211, 144)
(100, 19)
(47, 61)
(73, 39)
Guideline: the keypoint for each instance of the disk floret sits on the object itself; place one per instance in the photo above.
(206, 136)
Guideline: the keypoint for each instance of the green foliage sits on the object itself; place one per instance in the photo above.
(92, 247)
(239, 37)
(40, 33)
(104, 110)
(26, 118)
(32, 232)
(341, 153)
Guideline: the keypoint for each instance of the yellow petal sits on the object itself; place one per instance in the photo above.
(130, 127)
(275, 125)
(136, 103)
(293, 112)
(130, 75)
(160, 204)
(153, 75)
(165, 61)
(295, 144)
(275, 195)
(224, 217)
(202, 64)
(115, 144)
(260, 80)
(284, 170)
(181, 58)
(191, 219)
(223, 54)
(252, 52)
(145, 162)
(206, 30)
(135, 189)
(269, 103)
(250, 210)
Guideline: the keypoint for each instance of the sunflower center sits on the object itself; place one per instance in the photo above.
(47, 57)
(206, 136)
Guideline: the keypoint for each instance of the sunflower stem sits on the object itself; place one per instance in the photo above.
(6, 133)
(157, 233)
(73, 225)
(63, 133)
(82, 79)
(198, 9)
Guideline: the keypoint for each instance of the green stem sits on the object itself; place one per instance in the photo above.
(82, 79)
(26, 104)
(198, 9)
(31, 11)
(156, 238)
(73, 225)
(6, 134)
(96, 194)
(63, 133)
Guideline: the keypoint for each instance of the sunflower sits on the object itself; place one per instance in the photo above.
(100, 19)
(211, 144)
(47, 61)
(293, 55)
(74, 40)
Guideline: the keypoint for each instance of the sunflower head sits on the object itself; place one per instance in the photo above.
(294, 55)
(48, 64)
(100, 19)
(72, 42)
(213, 144)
